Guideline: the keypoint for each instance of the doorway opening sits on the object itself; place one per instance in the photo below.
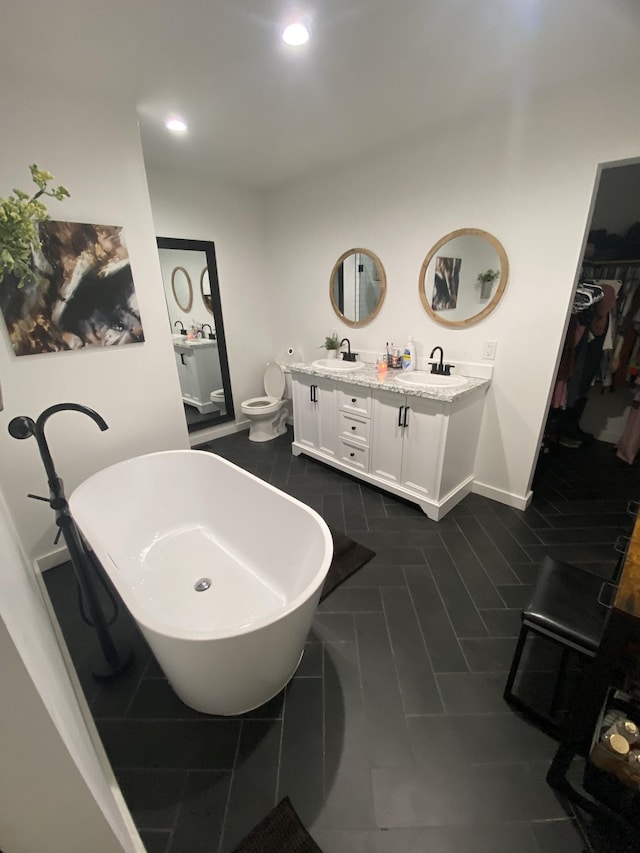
(596, 393)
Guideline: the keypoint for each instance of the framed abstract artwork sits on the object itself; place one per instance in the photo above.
(81, 293)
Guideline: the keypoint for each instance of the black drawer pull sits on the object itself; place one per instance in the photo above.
(400, 408)
(406, 412)
(353, 400)
(352, 427)
(352, 454)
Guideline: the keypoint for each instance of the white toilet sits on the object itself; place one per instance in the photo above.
(268, 415)
(217, 398)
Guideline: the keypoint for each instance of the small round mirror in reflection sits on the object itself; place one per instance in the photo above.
(357, 286)
(205, 290)
(463, 277)
(182, 289)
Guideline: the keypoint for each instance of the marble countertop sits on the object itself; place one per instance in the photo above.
(183, 341)
(368, 378)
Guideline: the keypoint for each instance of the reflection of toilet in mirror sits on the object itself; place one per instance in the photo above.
(268, 415)
(217, 398)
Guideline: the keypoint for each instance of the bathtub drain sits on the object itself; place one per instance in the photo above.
(202, 584)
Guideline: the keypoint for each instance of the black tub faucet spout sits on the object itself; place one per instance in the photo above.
(23, 427)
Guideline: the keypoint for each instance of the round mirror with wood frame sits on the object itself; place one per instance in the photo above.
(205, 290)
(463, 277)
(185, 300)
(357, 287)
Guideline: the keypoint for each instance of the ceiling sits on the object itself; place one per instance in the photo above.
(375, 72)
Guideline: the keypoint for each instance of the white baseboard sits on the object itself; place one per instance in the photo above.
(204, 435)
(508, 498)
(51, 559)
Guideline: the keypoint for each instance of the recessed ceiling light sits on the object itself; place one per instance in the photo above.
(176, 125)
(295, 34)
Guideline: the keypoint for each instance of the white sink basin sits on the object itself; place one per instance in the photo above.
(417, 379)
(336, 365)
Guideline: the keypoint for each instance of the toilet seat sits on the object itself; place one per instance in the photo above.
(274, 385)
(261, 405)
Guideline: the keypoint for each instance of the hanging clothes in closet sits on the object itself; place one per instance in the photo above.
(581, 360)
(619, 368)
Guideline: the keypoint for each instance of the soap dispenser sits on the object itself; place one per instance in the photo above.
(409, 355)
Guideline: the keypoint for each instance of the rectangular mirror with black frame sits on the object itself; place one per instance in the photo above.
(190, 278)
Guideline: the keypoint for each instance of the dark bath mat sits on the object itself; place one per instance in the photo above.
(348, 557)
(281, 831)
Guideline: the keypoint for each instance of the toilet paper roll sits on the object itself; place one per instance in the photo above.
(291, 354)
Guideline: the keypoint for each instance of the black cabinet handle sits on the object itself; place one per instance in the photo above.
(352, 454)
(353, 400)
(400, 415)
(406, 412)
(313, 392)
(182, 359)
(353, 428)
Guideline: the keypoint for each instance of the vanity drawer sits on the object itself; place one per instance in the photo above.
(354, 427)
(355, 399)
(354, 455)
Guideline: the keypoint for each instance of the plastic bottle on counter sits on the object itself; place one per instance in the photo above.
(409, 355)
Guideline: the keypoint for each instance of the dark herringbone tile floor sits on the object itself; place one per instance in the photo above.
(393, 736)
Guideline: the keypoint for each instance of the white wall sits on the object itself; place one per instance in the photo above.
(194, 209)
(93, 148)
(527, 177)
(54, 792)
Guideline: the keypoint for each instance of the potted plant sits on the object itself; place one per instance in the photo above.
(20, 215)
(485, 280)
(332, 345)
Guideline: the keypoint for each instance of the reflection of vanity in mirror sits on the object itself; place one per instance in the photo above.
(190, 278)
(357, 287)
(463, 277)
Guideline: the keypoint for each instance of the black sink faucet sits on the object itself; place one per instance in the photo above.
(438, 367)
(212, 337)
(183, 331)
(348, 355)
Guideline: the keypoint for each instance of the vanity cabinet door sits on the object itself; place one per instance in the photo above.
(387, 435)
(314, 414)
(186, 373)
(423, 446)
(305, 420)
(327, 415)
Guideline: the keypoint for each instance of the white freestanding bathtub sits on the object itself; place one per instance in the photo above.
(168, 524)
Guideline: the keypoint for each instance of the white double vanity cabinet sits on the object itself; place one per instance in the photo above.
(417, 442)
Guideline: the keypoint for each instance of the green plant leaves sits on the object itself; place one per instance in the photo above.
(20, 214)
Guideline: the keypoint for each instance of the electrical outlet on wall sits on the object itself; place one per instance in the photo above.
(489, 350)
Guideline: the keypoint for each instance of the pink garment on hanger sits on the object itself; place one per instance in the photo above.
(559, 398)
(629, 443)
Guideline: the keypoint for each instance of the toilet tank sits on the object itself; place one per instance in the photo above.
(288, 392)
(287, 381)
